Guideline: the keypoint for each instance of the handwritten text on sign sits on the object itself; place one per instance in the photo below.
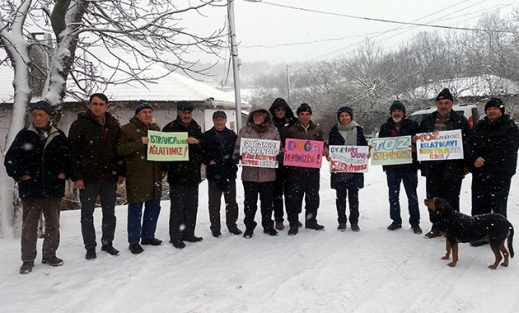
(349, 159)
(444, 145)
(259, 152)
(303, 153)
(164, 146)
(391, 150)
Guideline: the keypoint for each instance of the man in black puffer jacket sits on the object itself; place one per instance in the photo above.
(492, 155)
(444, 178)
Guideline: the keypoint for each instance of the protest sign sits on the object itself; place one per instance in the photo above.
(444, 145)
(259, 152)
(349, 159)
(303, 153)
(163, 146)
(391, 150)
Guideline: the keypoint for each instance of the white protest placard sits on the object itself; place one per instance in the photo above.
(440, 146)
(391, 150)
(259, 152)
(349, 159)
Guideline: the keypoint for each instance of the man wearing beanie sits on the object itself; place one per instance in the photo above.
(302, 181)
(184, 178)
(492, 154)
(444, 177)
(96, 170)
(40, 173)
(399, 125)
(143, 178)
(283, 118)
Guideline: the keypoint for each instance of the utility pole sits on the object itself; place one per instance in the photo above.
(235, 62)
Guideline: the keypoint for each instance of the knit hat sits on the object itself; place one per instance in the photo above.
(346, 109)
(397, 105)
(141, 105)
(185, 106)
(42, 105)
(444, 94)
(219, 114)
(495, 102)
(304, 107)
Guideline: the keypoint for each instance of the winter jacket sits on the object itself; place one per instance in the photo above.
(451, 169)
(407, 128)
(218, 146)
(143, 177)
(93, 154)
(313, 132)
(42, 159)
(282, 124)
(497, 143)
(346, 180)
(270, 132)
(185, 172)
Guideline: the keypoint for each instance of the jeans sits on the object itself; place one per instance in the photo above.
(410, 179)
(107, 193)
(149, 221)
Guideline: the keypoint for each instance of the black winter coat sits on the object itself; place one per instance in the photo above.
(451, 169)
(497, 143)
(185, 172)
(408, 128)
(338, 180)
(285, 123)
(218, 146)
(43, 160)
(93, 154)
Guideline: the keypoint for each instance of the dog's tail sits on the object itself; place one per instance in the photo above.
(511, 239)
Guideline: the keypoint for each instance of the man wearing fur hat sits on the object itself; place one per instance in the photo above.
(304, 182)
(492, 155)
(38, 160)
(184, 178)
(399, 125)
(444, 178)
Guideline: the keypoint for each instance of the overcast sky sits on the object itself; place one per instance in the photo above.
(269, 31)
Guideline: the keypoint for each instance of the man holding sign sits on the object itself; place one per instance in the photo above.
(399, 125)
(443, 177)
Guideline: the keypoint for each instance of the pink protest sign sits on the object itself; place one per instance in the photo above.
(303, 153)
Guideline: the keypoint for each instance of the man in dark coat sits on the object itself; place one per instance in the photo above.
(38, 160)
(444, 178)
(184, 178)
(143, 178)
(96, 170)
(218, 146)
(399, 125)
(283, 119)
(492, 155)
(304, 182)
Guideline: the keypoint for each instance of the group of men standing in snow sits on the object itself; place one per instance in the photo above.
(99, 154)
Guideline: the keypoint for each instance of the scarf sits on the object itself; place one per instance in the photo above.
(349, 133)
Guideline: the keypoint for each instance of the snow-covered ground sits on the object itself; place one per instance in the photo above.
(374, 270)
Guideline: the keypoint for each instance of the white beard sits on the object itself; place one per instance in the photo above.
(397, 119)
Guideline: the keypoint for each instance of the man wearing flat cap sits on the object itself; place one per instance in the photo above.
(444, 178)
(38, 160)
(492, 155)
(184, 178)
(218, 146)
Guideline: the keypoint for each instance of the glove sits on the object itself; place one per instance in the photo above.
(279, 157)
(236, 157)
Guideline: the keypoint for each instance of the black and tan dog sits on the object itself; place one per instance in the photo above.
(458, 227)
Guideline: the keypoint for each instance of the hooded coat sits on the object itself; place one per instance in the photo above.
(267, 131)
(43, 159)
(143, 177)
(93, 155)
(285, 123)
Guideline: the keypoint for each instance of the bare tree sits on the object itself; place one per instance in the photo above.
(94, 43)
